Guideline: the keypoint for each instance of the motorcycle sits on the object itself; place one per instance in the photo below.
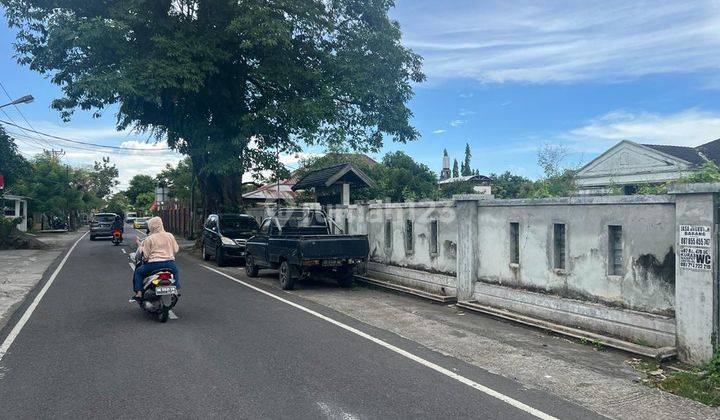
(117, 237)
(159, 291)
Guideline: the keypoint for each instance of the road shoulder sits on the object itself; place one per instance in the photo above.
(22, 269)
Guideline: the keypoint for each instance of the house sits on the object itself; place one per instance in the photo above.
(480, 183)
(628, 165)
(272, 193)
(284, 190)
(15, 206)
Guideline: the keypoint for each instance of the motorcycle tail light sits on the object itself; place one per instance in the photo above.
(164, 276)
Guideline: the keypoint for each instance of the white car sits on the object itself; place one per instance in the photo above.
(130, 217)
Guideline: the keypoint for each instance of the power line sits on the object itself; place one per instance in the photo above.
(25, 137)
(84, 142)
(18, 110)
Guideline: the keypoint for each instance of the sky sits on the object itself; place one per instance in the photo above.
(504, 76)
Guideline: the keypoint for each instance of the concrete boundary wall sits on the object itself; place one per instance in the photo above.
(619, 265)
(431, 282)
(652, 330)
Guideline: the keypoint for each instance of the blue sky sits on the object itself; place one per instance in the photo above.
(507, 77)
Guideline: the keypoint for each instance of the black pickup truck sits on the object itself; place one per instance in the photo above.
(299, 243)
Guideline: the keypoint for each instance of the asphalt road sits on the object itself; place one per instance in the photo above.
(233, 352)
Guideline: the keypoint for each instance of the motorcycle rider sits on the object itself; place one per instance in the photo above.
(118, 225)
(159, 250)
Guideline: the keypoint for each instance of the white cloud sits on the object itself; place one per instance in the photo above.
(562, 41)
(690, 127)
(457, 123)
(440, 131)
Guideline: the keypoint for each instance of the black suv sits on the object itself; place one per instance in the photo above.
(225, 236)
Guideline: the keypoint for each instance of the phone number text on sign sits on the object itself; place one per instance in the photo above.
(695, 247)
(695, 258)
(695, 236)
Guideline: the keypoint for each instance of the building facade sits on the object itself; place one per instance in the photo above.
(629, 165)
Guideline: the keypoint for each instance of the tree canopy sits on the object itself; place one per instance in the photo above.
(229, 83)
(401, 178)
(140, 184)
(12, 164)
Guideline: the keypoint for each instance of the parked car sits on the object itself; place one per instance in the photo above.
(225, 235)
(101, 225)
(131, 216)
(299, 243)
(141, 223)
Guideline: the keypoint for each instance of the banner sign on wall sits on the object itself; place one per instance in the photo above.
(695, 247)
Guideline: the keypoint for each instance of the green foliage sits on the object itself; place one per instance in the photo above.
(7, 229)
(12, 164)
(56, 189)
(143, 201)
(102, 178)
(140, 184)
(179, 179)
(455, 170)
(508, 185)
(708, 172)
(401, 178)
(648, 189)
(229, 83)
(118, 203)
(465, 168)
(448, 190)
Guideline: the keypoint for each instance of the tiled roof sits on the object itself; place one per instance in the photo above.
(688, 154)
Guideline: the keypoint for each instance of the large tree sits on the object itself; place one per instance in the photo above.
(400, 178)
(230, 83)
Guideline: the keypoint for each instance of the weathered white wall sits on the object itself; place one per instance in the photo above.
(370, 219)
(653, 300)
(647, 281)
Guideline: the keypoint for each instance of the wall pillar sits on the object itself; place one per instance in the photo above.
(466, 211)
(696, 269)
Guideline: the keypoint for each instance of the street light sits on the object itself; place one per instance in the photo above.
(21, 100)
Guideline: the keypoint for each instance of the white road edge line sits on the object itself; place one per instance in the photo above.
(123, 250)
(29, 311)
(482, 388)
(172, 315)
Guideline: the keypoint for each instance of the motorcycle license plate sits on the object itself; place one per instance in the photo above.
(331, 263)
(165, 290)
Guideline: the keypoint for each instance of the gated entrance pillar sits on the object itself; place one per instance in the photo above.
(466, 211)
(696, 270)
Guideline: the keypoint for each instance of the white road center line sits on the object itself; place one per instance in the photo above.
(124, 252)
(482, 388)
(29, 311)
(172, 315)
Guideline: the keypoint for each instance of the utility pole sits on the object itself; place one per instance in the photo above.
(192, 206)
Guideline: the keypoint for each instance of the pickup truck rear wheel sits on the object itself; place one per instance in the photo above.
(287, 281)
(345, 277)
(250, 268)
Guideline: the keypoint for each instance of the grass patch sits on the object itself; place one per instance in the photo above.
(699, 384)
(696, 387)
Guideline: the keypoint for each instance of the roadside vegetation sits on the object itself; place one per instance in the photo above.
(701, 384)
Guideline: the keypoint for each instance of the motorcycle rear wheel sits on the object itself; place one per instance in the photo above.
(164, 314)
